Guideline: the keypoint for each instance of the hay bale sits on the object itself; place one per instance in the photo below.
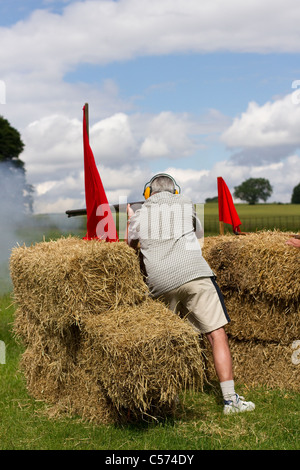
(259, 264)
(48, 360)
(65, 387)
(259, 276)
(97, 345)
(143, 355)
(262, 320)
(260, 364)
(84, 397)
(58, 282)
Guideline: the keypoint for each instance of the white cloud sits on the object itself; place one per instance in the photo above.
(53, 146)
(54, 143)
(201, 184)
(168, 135)
(112, 139)
(272, 124)
(58, 206)
(37, 52)
(104, 31)
(54, 158)
(43, 188)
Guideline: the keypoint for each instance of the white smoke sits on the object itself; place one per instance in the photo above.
(19, 226)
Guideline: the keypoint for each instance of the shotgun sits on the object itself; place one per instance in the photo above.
(77, 212)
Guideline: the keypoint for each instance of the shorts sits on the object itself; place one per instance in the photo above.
(201, 302)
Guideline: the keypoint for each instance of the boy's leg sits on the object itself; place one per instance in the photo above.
(221, 354)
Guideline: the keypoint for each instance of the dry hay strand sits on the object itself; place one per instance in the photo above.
(72, 392)
(51, 372)
(84, 397)
(47, 362)
(60, 281)
(260, 363)
(259, 264)
(30, 331)
(262, 320)
(44, 374)
(143, 355)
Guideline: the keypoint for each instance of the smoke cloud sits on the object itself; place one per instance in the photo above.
(19, 225)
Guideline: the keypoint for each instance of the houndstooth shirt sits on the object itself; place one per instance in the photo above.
(171, 251)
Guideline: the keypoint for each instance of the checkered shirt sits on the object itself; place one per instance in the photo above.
(171, 251)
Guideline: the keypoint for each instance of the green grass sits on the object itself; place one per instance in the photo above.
(257, 210)
(197, 425)
(285, 217)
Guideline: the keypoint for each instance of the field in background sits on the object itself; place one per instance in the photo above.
(285, 217)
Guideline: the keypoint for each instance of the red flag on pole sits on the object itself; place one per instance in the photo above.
(227, 211)
(100, 222)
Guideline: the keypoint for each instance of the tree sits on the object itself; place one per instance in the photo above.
(211, 199)
(296, 195)
(253, 189)
(15, 193)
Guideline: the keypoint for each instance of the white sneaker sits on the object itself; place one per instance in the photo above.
(238, 405)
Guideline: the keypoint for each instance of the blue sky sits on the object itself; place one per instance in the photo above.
(199, 89)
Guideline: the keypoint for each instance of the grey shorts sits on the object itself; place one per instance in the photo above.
(201, 302)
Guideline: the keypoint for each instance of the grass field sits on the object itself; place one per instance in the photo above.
(257, 210)
(285, 217)
(197, 425)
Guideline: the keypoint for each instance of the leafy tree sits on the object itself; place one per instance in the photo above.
(296, 195)
(211, 199)
(15, 193)
(253, 189)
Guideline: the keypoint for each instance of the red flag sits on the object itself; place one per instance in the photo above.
(227, 211)
(100, 222)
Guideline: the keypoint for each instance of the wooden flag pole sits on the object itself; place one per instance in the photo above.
(86, 112)
(221, 224)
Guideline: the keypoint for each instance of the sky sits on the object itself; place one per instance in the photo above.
(194, 88)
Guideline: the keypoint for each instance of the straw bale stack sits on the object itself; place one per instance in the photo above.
(259, 276)
(96, 343)
(258, 264)
(259, 364)
(147, 355)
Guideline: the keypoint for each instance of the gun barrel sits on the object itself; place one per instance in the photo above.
(77, 212)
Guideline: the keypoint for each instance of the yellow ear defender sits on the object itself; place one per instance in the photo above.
(148, 190)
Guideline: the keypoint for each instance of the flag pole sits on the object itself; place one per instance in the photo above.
(86, 112)
(221, 224)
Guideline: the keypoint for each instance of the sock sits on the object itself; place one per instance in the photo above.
(228, 390)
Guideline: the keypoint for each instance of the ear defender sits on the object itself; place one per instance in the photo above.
(148, 190)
